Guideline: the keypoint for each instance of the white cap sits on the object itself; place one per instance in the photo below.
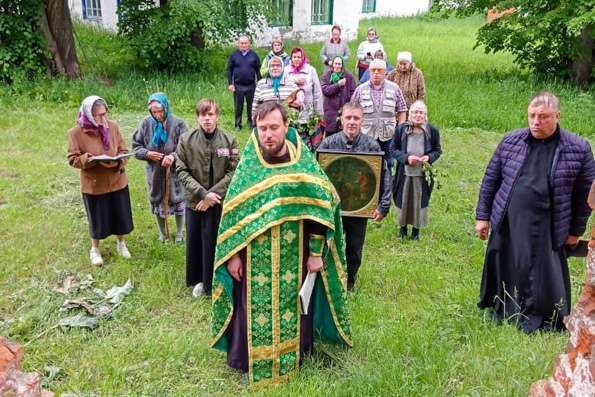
(404, 56)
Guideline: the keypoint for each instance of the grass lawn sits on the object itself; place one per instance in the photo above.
(416, 328)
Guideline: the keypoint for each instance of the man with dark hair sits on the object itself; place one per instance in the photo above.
(352, 140)
(243, 71)
(281, 222)
(205, 161)
(534, 198)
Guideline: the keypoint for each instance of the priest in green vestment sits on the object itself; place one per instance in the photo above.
(281, 220)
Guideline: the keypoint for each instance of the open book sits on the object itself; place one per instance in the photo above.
(105, 157)
(306, 291)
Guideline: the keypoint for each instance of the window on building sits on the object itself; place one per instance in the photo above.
(281, 13)
(322, 12)
(369, 6)
(91, 9)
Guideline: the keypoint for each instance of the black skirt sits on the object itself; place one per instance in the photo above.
(108, 213)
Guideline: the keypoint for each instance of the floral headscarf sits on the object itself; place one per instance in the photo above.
(85, 119)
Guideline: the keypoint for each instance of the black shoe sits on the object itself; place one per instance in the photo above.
(403, 232)
(350, 285)
(414, 234)
(238, 127)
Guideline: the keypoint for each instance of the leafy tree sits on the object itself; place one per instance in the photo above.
(173, 34)
(36, 36)
(548, 36)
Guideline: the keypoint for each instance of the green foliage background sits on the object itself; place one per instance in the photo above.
(22, 51)
(542, 35)
(417, 330)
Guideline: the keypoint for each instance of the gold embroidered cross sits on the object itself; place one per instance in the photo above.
(262, 320)
(289, 236)
(288, 276)
(288, 316)
(261, 279)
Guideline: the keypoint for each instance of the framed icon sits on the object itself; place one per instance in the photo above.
(356, 177)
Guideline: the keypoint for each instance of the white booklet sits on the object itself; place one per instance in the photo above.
(306, 291)
(105, 157)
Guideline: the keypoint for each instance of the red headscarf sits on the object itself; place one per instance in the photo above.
(304, 59)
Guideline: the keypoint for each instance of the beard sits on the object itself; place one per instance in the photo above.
(272, 151)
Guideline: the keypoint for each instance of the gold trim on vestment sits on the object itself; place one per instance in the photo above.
(268, 206)
(266, 352)
(332, 307)
(337, 260)
(294, 153)
(223, 329)
(299, 303)
(273, 180)
(264, 229)
(276, 259)
(217, 293)
(248, 276)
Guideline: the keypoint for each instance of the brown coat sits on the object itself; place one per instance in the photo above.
(411, 83)
(97, 177)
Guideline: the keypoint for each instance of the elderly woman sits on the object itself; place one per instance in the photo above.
(415, 144)
(305, 77)
(104, 184)
(337, 87)
(334, 47)
(276, 51)
(276, 86)
(366, 51)
(155, 141)
(409, 78)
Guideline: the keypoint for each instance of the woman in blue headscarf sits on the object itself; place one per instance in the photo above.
(155, 141)
(273, 87)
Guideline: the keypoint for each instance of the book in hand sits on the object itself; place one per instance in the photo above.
(105, 157)
(306, 291)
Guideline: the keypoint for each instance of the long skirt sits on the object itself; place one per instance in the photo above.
(201, 239)
(411, 211)
(108, 213)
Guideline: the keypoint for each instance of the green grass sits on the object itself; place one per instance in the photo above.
(416, 328)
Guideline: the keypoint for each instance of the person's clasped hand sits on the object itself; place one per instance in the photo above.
(210, 200)
(154, 156)
(167, 161)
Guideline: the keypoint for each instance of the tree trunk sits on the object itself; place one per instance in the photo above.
(582, 67)
(57, 29)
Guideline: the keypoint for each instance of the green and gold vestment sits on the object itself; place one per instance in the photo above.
(264, 212)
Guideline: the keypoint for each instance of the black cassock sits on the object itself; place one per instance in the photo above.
(525, 279)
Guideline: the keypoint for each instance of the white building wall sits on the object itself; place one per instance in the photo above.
(109, 16)
(399, 8)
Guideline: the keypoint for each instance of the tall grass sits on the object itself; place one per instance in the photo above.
(416, 328)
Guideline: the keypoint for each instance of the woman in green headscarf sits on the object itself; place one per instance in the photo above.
(337, 86)
(155, 141)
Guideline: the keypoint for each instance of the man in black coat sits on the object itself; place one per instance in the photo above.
(243, 71)
(352, 140)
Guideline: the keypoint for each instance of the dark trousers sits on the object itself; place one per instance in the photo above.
(385, 146)
(355, 235)
(247, 92)
(201, 238)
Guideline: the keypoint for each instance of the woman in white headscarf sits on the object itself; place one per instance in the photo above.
(104, 183)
